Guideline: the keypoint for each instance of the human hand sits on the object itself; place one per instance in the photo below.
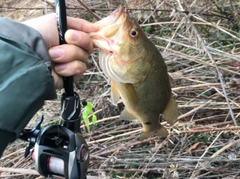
(69, 59)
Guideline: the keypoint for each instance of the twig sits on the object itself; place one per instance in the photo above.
(23, 171)
(218, 72)
(193, 110)
(205, 151)
(89, 10)
(19, 170)
(195, 87)
(110, 9)
(206, 130)
(195, 173)
(194, 59)
(102, 120)
(125, 146)
(157, 169)
(153, 156)
(115, 136)
(11, 154)
(50, 4)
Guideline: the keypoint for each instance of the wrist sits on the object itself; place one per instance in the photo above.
(47, 27)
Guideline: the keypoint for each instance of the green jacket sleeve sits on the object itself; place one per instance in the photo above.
(25, 76)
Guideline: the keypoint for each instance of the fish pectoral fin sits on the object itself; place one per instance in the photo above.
(170, 113)
(130, 93)
(125, 115)
(160, 132)
(114, 93)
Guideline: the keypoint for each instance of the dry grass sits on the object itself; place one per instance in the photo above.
(200, 42)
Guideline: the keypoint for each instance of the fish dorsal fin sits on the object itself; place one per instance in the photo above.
(114, 93)
(171, 111)
(125, 115)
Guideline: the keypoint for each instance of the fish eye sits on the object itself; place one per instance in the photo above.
(133, 33)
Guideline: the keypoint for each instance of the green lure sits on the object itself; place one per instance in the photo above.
(86, 112)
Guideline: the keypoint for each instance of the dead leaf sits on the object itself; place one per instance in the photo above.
(195, 147)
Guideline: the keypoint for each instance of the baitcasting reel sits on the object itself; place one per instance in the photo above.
(59, 151)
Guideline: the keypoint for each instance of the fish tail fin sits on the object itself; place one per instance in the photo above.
(160, 132)
(171, 111)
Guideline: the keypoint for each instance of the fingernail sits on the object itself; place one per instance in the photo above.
(98, 27)
(76, 36)
(56, 52)
(61, 67)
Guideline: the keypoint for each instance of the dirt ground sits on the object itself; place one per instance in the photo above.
(200, 42)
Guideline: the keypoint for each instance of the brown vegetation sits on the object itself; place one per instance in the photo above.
(200, 42)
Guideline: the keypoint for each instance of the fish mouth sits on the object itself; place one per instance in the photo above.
(110, 28)
(114, 18)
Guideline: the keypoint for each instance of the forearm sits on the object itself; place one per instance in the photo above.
(28, 36)
(25, 76)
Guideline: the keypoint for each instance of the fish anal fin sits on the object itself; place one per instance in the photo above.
(160, 132)
(125, 115)
(114, 93)
(170, 113)
(170, 80)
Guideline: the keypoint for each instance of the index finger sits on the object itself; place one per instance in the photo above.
(81, 25)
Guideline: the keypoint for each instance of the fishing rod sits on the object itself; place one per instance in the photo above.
(60, 150)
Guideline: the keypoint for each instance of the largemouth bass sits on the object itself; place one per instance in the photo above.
(137, 72)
